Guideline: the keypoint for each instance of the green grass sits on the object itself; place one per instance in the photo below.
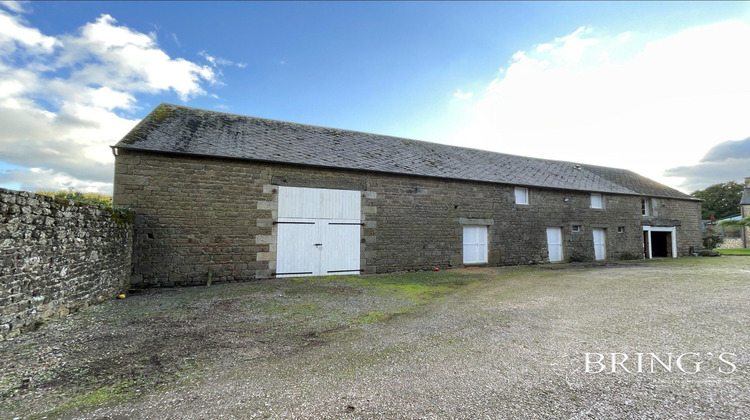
(419, 288)
(404, 292)
(103, 396)
(372, 316)
(739, 251)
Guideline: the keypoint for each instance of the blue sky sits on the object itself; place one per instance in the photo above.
(651, 87)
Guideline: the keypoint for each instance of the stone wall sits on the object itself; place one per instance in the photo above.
(685, 215)
(745, 212)
(197, 217)
(57, 257)
(730, 243)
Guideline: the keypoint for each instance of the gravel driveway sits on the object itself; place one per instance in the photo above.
(473, 343)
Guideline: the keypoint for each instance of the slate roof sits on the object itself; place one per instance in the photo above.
(745, 200)
(177, 129)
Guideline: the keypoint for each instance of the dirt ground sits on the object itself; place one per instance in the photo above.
(474, 343)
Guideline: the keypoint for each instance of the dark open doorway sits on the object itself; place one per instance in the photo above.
(661, 244)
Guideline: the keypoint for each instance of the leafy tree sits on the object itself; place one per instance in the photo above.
(720, 200)
(711, 240)
(739, 222)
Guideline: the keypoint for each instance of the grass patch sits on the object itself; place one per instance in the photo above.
(397, 294)
(419, 288)
(739, 251)
(103, 396)
(373, 316)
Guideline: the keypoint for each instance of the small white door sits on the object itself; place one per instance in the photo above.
(600, 243)
(554, 244)
(475, 244)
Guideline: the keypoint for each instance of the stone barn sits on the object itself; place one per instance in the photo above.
(233, 198)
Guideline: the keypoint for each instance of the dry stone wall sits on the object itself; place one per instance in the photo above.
(57, 257)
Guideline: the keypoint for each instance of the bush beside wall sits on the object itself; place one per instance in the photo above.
(56, 257)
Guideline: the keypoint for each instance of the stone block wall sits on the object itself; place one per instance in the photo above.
(730, 243)
(685, 215)
(57, 257)
(198, 216)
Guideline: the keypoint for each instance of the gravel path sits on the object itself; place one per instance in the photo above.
(508, 344)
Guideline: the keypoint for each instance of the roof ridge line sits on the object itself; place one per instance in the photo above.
(346, 130)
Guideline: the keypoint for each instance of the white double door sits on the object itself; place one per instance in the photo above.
(309, 247)
(318, 232)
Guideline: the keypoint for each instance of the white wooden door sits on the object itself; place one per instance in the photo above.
(475, 244)
(319, 203)
(600, 243)
(318, 232)
(340, 249)
(554, 244)
(297, 249)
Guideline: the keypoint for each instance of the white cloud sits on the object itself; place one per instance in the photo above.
(175, 39)
(462, 95)
(61, 98)
(15, 6)
(218, 61)
(727, 161)
(622, 101)
(36, 179)
(121, 58)
(14, 33)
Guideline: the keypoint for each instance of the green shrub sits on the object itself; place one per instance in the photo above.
(77, 197)
(711, 240)
(578, 257)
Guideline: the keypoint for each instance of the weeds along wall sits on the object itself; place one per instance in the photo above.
(56, 257)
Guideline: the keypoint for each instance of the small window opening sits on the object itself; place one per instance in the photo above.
(597, 202)
(646, 207)
(522, 195)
